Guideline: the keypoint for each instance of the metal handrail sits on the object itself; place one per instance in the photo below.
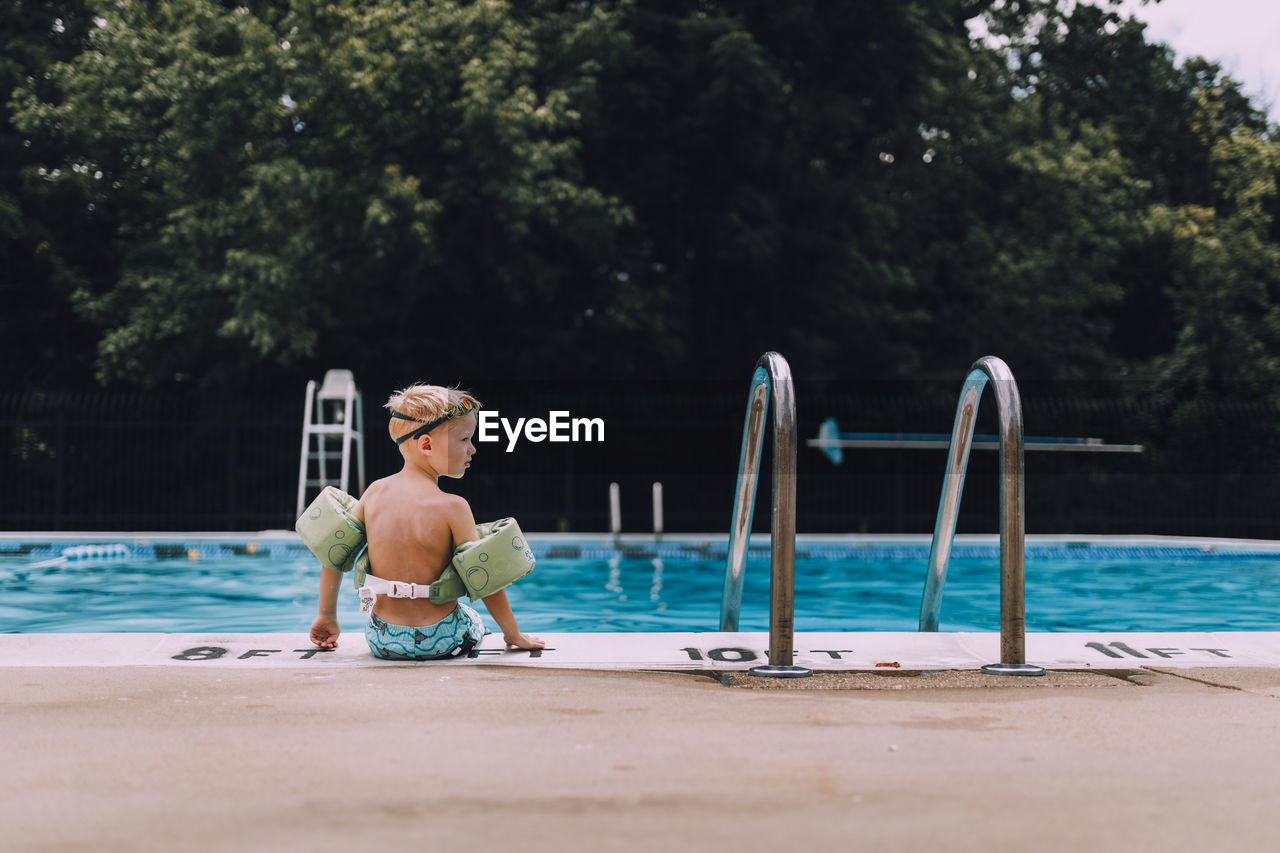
(772, 378)
(1013, 620)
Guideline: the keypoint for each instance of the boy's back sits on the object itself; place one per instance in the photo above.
(413, 528)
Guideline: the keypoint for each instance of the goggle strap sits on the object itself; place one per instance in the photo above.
(457, 410)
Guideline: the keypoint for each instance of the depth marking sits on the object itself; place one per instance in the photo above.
(1159, 651)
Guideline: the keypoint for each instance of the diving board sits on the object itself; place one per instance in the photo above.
(831, 441)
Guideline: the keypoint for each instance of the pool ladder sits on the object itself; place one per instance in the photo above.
(1013, 614)
(772, 378)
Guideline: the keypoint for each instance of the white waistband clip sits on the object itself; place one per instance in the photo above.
(400, 589)
(374, 586)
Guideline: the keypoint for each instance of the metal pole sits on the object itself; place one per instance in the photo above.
(306, 445)
(782, 580)
(657, 512)
(1013, 509)
(1012, 513)
(744, 501)
(360, 442)
(615, 513)
(772, 377)
(944, 528)
(348, 416)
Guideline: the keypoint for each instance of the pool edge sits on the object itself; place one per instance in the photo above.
(693, 651)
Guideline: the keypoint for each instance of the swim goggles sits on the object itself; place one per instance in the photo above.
(457, 410)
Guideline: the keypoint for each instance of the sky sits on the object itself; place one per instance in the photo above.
(1243, 36)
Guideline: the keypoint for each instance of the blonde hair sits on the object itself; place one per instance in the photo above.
(424, 403)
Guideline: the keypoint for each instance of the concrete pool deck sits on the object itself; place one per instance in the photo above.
(320, 754)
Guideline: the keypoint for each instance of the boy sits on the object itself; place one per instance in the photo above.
(412, 528)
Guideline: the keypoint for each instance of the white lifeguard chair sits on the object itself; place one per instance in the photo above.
(332, 413)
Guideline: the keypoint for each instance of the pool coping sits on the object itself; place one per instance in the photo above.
(677, 652)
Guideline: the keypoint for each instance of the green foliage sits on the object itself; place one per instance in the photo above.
(1226, 288)
(289, 184)
(40, 343)
(229, 192)
(1191, 197)
(755, 143)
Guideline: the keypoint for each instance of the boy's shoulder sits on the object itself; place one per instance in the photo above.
(457, 510)
(454, 503)
(396, 487)
(377, 485)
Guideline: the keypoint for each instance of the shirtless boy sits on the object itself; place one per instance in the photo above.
(412, 528)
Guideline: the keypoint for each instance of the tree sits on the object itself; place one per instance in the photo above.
(41, 342)
(1226, 289)
(755, 143)
(290, 183)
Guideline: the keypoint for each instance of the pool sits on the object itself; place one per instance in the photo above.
(267, 583)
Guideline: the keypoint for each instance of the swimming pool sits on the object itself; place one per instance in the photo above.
(267, 583)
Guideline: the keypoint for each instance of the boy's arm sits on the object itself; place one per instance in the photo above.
(500, 609)
(463, 524)
(325, 628)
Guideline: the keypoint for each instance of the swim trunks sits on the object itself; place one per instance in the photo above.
(453, 636)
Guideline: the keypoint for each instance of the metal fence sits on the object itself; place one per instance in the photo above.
(108, 460)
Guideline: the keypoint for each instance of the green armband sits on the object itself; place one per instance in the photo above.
(499, 558)
(330, 531)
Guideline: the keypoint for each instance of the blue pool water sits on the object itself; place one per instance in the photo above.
(850, 585)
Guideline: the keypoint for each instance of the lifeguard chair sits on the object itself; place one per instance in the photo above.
(332, 423)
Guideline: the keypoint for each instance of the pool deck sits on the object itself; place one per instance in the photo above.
(694, 652)
(159, 742)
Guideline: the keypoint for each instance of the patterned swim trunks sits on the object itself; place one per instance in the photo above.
(453, 636)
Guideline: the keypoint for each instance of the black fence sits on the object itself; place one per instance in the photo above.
(197, 462)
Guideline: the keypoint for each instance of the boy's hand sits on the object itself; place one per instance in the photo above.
(325, 631)
(523, 641)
